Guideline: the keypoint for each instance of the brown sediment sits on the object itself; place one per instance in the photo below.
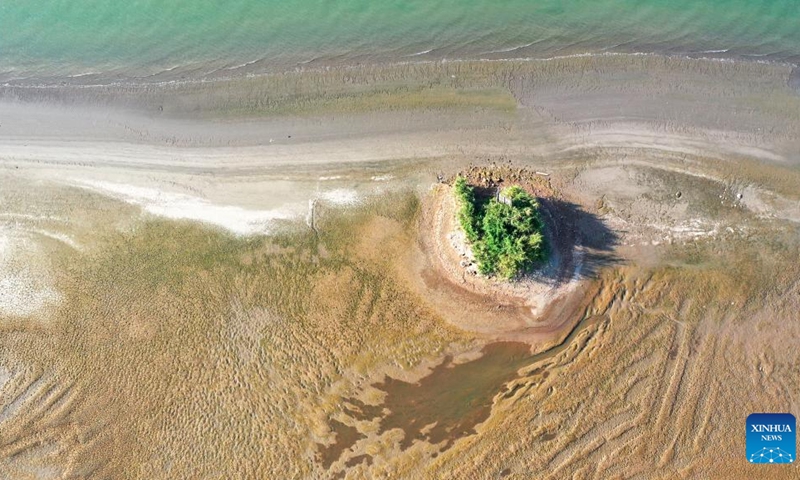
(346, 437)
(361, 409)
(454, 398)
(358, 459)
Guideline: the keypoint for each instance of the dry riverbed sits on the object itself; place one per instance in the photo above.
(177, 262)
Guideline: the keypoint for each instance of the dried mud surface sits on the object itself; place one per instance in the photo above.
(257, 279)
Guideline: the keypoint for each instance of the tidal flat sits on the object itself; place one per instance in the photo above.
(240, 278)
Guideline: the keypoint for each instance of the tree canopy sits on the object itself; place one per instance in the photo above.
(506, 234)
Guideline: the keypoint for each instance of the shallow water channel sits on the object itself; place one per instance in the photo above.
(448, 403)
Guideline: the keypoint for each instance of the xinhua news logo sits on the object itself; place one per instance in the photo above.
(771, 438)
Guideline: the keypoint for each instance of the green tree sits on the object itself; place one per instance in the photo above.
(467, 212)
(506, 235)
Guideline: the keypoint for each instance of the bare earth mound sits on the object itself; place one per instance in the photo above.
(494, 308)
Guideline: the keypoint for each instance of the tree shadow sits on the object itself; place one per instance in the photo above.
(580, 242)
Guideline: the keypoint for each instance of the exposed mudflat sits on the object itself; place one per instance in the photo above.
(198, 284)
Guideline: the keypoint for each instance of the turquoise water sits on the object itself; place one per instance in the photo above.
(136, 38)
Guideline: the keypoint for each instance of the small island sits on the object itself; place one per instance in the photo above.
(506, 231)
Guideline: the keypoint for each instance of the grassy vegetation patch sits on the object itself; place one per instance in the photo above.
(506, 232)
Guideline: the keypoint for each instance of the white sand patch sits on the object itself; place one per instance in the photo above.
(181, 206)
(335, 177)
(768, 204)
(61, 237)
(22, 293)
(694, 228)
(340, 196)
(5, 376)
(382, 178)
(690, 229)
